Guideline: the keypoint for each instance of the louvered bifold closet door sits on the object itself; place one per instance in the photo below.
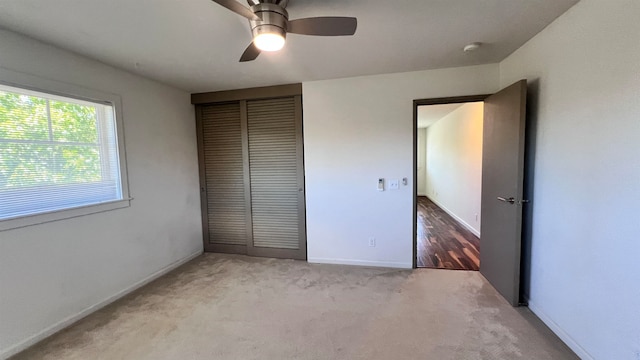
(225, 210)
(276, 177)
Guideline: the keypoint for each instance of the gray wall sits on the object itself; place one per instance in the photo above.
(52, 273)
(584, 71)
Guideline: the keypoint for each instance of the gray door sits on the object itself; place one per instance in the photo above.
(502, 186)
(274, 130)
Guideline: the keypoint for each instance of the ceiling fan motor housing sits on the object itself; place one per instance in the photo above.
(274, 20)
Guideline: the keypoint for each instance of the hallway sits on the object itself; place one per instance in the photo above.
(442, 242)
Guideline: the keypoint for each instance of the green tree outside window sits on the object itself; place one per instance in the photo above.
(47, 142)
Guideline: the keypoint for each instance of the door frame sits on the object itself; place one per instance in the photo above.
(422, 102)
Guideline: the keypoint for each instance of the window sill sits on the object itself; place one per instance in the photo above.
(37, 219)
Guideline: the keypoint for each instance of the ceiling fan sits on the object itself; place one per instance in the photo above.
(270, 24)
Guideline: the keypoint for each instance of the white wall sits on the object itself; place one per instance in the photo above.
(357, 130)
(52, 272)
(585, 108)
(422, 161)
(454, 164)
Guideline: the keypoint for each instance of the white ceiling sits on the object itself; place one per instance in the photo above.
(429, 114)
(195, 44)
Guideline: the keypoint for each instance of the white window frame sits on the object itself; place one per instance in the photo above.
(57, 88)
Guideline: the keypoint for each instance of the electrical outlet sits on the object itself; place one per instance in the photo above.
(372, 241)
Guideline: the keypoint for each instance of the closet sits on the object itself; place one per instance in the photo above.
(251, 171)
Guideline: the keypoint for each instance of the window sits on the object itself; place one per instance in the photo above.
(56, 153)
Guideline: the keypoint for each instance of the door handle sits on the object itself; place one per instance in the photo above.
(510, 200)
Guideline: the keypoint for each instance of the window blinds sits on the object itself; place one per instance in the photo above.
(55, 153)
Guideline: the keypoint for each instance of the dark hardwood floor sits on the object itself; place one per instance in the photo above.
(442, 242)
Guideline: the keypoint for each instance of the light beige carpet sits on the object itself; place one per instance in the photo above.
(235, 307)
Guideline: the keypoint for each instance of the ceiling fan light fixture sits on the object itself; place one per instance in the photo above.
(269, 22)
(269, 32)
(269, 41)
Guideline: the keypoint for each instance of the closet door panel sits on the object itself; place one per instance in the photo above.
(275, 166)
(224, 178)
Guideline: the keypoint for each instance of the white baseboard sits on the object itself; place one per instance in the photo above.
(458, 219)
(361, 263)
(566, 338)
(93, 308)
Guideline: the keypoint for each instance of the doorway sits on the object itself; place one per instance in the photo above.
(503, 148)
(449, 178)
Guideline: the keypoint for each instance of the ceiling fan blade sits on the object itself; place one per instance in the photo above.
(238, 8)
(324, 26)
(251, 53)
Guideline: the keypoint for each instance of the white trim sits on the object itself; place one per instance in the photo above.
(36, 219)
(55, 87)
(17, 89)
(361, 263)
(23, 345)
(563, 335)
(458, 219)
